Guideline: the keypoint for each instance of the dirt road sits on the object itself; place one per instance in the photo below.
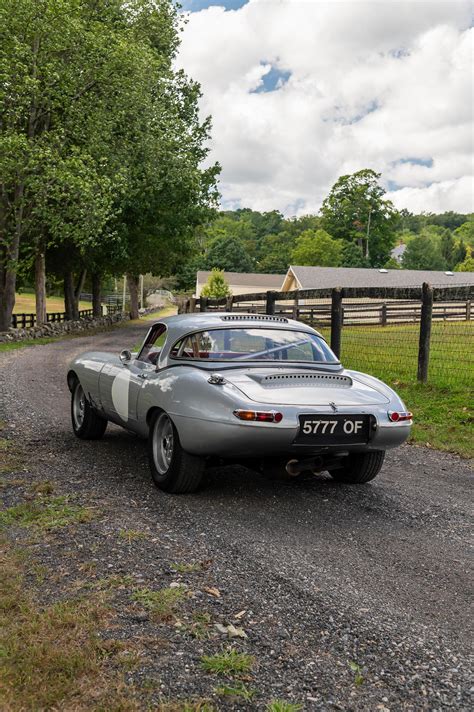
(354, 597)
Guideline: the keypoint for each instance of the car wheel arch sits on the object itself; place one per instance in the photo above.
(151, 412)
(72, 379)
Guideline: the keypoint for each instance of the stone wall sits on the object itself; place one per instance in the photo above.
(64, 327)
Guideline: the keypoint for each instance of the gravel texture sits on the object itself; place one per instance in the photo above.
(320, 576)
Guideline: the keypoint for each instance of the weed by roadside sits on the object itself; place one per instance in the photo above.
(229, 662)
(162, 603)
(282, 706)
(45, 513)
(52, 655)
(238, 689)
(131, 535)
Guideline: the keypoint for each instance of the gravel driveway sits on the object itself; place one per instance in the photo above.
(321, 577)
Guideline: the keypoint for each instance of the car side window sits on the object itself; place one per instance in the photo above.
(151, 349)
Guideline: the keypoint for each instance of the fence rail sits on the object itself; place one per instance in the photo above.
(396, 329)
(25, 321)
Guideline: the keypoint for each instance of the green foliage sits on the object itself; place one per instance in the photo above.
(317, 248)
(283, 706)
(423, 253)
(229, 662)
(162, 603)
(467, 265)
(101, 143)
(355, 207)
(465, 232)
(45, 513)
(238, 689)
(216, 286)
(228, 253)
(357, 670)
(351, 256)
(392, 263)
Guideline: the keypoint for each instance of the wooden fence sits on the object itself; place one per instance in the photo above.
(342, 307)
(24, 321)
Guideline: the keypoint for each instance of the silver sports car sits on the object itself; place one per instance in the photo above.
(262, 390)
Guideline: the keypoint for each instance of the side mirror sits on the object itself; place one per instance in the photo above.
(125, 356)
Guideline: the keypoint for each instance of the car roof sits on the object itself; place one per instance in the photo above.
(182, 324)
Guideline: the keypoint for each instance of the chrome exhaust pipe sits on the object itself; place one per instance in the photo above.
(296, 467)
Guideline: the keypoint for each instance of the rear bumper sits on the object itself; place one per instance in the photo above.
(242, 439)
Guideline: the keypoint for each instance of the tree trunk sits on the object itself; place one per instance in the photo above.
(8, 262)
(69, 297)
(40, 288)
(96, 295)
(7, 292)
(133, 287)
(80, 287)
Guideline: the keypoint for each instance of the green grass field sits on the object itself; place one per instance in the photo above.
(25, 304)
(443, 408)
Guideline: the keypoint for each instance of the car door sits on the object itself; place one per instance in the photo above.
(120, 382)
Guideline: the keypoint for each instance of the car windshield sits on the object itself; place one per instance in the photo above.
(257, 344)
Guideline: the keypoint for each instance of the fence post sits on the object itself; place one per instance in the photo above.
(192, 305)
(270, 305)
(295, 307)
(229, 303)
(383, 315)
(468, 310)
(203, 304)
(425, 332)
(336, 320)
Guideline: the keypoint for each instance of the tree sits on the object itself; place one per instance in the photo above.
(459, 252)
(228, 253)
(468, 264)
(447, 249)
(465, 232)
(356, 210)
(276, 252)
(351, 256)
(423, 253)
(100, 138)
(216, 286)
(317, 248)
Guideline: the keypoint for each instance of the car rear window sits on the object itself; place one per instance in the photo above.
(254, 344)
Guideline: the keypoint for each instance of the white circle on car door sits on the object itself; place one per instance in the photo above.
(120, 388)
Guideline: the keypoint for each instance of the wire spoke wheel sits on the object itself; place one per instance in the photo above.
(163, 444)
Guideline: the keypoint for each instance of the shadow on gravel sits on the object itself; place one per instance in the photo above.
(120, 464)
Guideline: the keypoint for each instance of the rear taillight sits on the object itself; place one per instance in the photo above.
(397, 416)
(260, 416)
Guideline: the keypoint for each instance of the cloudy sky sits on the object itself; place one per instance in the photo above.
(303, 91)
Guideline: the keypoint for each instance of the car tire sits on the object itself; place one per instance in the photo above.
(86, 423)
(360, 467)
(172, 469)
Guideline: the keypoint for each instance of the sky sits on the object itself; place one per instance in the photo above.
(304, 91)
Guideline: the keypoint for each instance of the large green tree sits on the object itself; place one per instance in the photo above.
(423, 253)
(229, 254)
(356, 210)
(317, 248)
(100, 140)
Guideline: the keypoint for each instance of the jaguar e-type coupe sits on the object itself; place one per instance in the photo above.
(247, 388)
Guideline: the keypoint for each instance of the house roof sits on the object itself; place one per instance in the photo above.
(328, 277)
(398, 251)
(246, 279)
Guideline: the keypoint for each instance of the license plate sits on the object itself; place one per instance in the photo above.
(333, 429)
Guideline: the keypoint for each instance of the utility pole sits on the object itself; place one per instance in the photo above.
(124, 291)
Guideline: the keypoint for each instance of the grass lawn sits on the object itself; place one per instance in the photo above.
(25, 304)
(443, 408)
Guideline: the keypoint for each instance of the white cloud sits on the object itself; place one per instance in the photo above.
(372, 84)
